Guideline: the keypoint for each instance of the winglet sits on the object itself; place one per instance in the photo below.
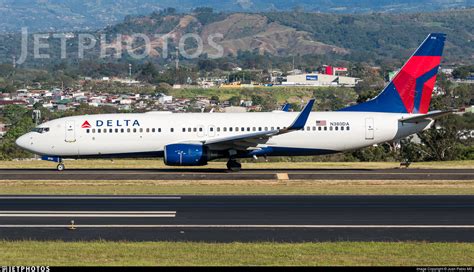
(286, 107)
(300, 121)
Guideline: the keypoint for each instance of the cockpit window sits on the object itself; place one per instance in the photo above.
(41, 129)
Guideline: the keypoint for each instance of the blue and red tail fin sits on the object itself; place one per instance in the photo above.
(410, 90)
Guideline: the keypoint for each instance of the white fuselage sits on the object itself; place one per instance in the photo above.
(148, 133)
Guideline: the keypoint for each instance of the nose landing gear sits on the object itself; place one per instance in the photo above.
(57, 159)
(60, 167)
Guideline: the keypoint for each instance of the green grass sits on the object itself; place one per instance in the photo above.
(186, 253)
(231, 187)
(158, 163)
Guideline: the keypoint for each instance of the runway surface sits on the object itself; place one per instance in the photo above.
(250, 174)
(238, 218)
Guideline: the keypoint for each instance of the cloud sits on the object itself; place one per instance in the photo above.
(245, 4)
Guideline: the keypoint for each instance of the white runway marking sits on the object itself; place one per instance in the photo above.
(99, 214)
(92, 197)
(252, 226)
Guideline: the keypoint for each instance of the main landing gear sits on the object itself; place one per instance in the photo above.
(233, 165)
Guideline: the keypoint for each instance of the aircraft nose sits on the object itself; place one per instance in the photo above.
(22, 141)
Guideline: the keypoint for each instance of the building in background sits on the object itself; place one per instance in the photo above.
(3, 129)
(315, 79)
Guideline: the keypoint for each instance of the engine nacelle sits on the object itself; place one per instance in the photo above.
(186, 155)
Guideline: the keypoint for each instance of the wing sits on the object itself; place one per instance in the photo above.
(251, 140)
(425, 117)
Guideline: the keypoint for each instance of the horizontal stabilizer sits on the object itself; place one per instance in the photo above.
(425, 117)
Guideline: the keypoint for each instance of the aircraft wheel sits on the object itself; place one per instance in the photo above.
(234, 166)
(60, 167)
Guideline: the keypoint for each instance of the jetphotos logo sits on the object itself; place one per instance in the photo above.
(86, 125)
(112, 123)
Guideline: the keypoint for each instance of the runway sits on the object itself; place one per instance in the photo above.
(245, 174)
(238, 218)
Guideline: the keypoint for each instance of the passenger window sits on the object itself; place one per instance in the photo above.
(190, 129)
(211, 129)
(224, 129)
(336, 128)
(99, 130)
(200, 129)
(348, 128)
(141, 130)
(184, 129)
(134, 130)
(88, 130)
(172, 129)
(159, 129)
(330, 128)
(259, 128)
(148, 130)
(153, 130)
(278, 128)
(266, 128)
(218, 129)
(248, 129)
(195, 129)
(314, 128)
(116, 130)
(242, 129)
(273, 128)
(254, 129)
(319, 128)
(122, 130)
(230, 129)
(236, 129)
(105, 130)
(308, 128)
(325, 128)
(342, 128)
(93, 130)
(128, 130)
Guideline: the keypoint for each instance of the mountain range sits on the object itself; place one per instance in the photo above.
(69, 15)
(377, 37)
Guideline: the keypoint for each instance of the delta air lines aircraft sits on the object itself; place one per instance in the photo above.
(194, 139)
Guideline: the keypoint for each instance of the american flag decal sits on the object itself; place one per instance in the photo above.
(321, 123)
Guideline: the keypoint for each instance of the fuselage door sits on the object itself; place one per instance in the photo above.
(70, 132)
(369, 128)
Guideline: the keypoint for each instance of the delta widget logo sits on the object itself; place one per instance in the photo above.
(86, 125)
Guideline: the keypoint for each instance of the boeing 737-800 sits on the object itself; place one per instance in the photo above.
(194, 139)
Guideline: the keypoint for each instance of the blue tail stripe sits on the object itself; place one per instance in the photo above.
(419, 87)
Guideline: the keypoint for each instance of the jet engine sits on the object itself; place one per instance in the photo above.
(186, 155)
